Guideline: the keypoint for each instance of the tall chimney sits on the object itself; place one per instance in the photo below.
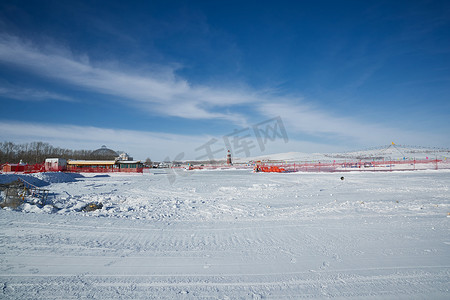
(229, 158)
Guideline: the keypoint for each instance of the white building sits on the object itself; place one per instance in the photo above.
(55, 164)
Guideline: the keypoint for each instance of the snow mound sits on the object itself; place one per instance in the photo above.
(41, 179)
(57, 177)
(7, 178)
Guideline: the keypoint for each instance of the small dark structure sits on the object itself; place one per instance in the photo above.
(10, 194)
(92, 206)
(14, 193)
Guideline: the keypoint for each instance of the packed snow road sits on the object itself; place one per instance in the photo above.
(232, 234)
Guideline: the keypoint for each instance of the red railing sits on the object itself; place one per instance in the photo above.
(103, 170)
(37, 168)
(22, 168)
(390, 165)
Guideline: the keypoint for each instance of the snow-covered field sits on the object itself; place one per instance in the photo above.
(231, 234)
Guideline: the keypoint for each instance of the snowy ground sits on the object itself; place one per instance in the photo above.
(231, 234)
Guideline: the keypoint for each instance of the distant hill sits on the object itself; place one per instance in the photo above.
(388, 152)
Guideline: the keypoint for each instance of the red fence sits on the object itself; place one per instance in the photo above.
(392, 165)
(37, 168)
(22, 168)
(103, 170)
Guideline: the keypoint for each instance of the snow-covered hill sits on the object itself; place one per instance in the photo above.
(385, 152)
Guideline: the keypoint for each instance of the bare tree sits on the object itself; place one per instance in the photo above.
(148, 162)
(37, 152)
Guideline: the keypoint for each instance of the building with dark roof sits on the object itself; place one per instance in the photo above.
(104, 153)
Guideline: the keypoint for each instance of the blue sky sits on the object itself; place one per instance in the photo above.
(161, 78)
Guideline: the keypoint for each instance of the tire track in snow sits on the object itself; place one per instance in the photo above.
(325, 284)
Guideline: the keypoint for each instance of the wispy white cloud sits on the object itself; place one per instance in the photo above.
(27, 94)
(306, 119)
(143, 144)
(140, 144)
(165, 94)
